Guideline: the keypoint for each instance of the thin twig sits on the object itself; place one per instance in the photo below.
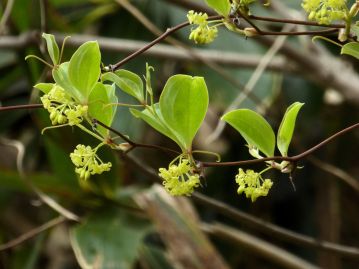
(132, 143)
(20, 107)
(292, 159)
(30, 234)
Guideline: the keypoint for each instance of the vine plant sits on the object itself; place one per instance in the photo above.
(83, 96)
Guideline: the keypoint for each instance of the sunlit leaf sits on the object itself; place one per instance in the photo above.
(61, 78)
(286, 127)
(183, 104)
(155, 121)
(127, 81)
(44, 87)
(52, 48)
(98, 100)
(221, 6)
(84, 67)
(254, 129)
(351, 49)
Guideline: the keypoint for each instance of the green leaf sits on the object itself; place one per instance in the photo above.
(286, 127)
(254, 129)
(44, 87)
(351, 49)
(98, 100)
(52, 48)
(61, 77)
(84, 67)
(183, 104)
(108, 239)
(355, 30)
(222, 7)
(155, 121)
(128, 82)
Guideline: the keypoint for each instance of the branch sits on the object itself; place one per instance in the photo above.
(20, 107)
(260, 247)
(292, 159)
(24, 237)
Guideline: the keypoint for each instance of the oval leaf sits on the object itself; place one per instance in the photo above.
(52, 48)
(183, 104)
(84, 67)
(61, 77)
(286, 127)
(254, 129)
(222, 7)
(97, 109)
(156, 122)
(127, 81)
(351, 49)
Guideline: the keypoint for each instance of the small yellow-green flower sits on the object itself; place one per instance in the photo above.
(180, 179)
(62, 108)
(325, 11)
(203, 33)
(87, 162)
(252, 184)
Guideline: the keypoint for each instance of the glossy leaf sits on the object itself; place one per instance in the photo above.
(52, 48)
(183, 104)
(155, 121)
(351, 49)
(286, 127)
(127, 81)
(61, 78)
(84, 67)
(222, 7)
(108, 240)
(98, 100)
(254, 129)
(44, 87)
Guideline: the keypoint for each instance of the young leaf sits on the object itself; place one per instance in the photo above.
(156, 122)
(52, 48)
(222, 7)
(61, 77)
(254, 129)
(127, 81)
(44, 87)
(98, 100)
(286, 127)
(183, 104)
(351, 49)
(84, 67)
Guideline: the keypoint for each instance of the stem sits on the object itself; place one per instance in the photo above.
(83, 128)
(19, 107)
(292, 159)
(168, 32)
(289, 21)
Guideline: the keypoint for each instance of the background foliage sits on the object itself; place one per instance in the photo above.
(115, 230)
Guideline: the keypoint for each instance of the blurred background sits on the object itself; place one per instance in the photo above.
(127, 222)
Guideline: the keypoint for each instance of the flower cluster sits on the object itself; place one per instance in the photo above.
(87, 162)
(62, 108)
(325, 11)
(252, 184)
(203, 33)
(180, 179)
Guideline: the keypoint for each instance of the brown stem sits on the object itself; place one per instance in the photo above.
(19, 107)
(292, 159)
